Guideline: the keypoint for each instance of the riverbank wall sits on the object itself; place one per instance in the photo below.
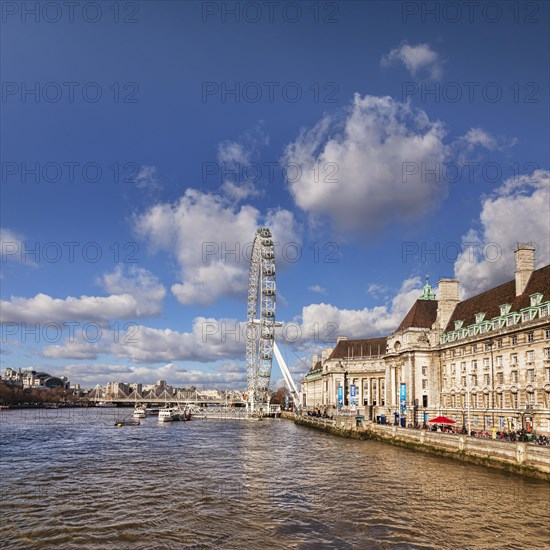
(516, 457)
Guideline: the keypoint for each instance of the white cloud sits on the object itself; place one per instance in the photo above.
(209, 340)
(11, 245)
(478, 136)
(233, 152)
(517, 211)
(318, 289)
(147, 179)
(210, 239)
(376, 150)
(417, 59)
(361, 323)
(134, 296)
(377, 290)
(476, 139)
(235, 159)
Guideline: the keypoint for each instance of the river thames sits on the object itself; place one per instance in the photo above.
(70, 479)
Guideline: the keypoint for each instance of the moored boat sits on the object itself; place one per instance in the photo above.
(174, 414)
(129, 422)
(140, 412)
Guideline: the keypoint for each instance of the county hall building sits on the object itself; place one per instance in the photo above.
(483, 362)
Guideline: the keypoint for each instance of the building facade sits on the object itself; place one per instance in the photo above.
(484, 361)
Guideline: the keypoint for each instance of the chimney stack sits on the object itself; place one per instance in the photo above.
(315, 360)
(525, 265)
(326, 354)
(447, 300)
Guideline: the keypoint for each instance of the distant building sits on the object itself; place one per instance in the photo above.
(34, 379)
(484, 361)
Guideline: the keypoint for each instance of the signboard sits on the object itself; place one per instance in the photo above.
(353, 399)
(340, 398)
(403, 399)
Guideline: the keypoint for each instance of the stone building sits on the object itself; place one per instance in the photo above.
(34, 379)
(484, 361)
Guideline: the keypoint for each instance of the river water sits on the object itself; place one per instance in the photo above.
(70, 479)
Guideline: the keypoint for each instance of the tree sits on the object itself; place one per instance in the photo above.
(279, 397)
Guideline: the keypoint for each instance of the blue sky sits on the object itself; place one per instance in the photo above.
(365, 97)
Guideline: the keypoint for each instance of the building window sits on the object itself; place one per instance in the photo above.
(530, 375)
(501, 421)
(474, 348)
(548, 374)
(488, 421)
(463, 366)
(547, 334)
(475, 419)
(424, 384)
(547, 354)
(486, 379)
(485, 362)
(514, 341)
(474, 379)
(424, 400)
(453, 368)
(499, 360)
(530, 356)
(505, 308)
(499, 343)
(530, 336)
(500, 377)
(424, 370)
(514, 400)
(474, 365)
(463, 381)
(514, 376)
(453, 353)
(514, 359)
(535, 299)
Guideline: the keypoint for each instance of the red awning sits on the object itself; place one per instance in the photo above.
(442, 420)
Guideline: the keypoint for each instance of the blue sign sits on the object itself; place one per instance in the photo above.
(353, 391)
(403, 398)
(340, 398)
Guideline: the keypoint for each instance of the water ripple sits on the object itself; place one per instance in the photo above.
(69, 480)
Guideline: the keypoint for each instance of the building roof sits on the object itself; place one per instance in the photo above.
(421, 315)
(367, 347)
(317, 366)
(489, 302)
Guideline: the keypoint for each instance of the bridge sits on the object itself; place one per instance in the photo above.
(170, 400)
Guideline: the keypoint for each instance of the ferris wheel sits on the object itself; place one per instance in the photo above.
(260, 327)
(260, 314)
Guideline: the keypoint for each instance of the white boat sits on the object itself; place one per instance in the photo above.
(106, 404)
(139, 412)
(173, 414)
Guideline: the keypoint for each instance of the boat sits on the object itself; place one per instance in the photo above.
(105, 404)
(174, 414)
(140, 412)
(127, 422)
